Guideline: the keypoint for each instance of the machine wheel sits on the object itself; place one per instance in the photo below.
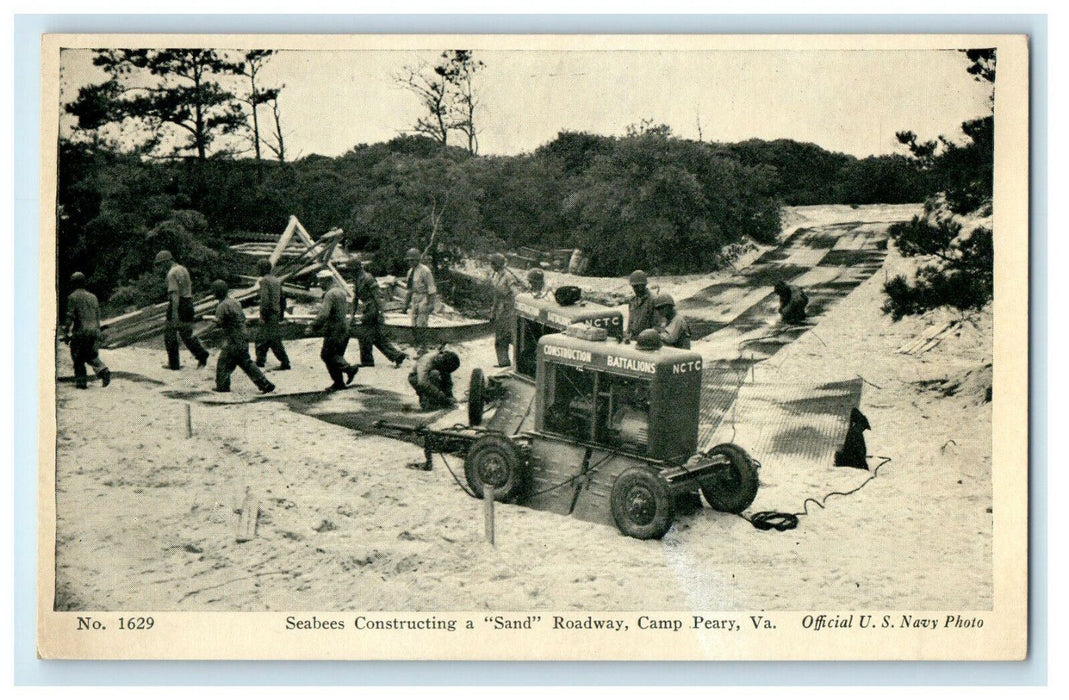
(641, 504)
(733, 489)
(476, 397)
(495, 460)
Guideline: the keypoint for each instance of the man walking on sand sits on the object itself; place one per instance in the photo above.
(421, 297)
(179, 312)
(230, 319)
(372, 330)
(83, 333)
(332, 321)
(272, 306)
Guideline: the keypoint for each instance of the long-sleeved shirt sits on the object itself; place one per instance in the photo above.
(676, 332)
(640, 314)
(271, 304)
(83, 312)
(231, 321)
(504, 288)
(333, 311)
(369, 295)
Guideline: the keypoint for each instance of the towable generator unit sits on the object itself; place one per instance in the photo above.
(512, 390)
(614, 439)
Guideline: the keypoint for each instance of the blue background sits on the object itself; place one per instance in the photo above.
(27, 98)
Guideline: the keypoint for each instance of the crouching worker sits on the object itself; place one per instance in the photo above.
(433, 381)
(230, 319)
(674, 329)
(792, 302)
(83, 333)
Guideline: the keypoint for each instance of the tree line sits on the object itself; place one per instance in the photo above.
(171, 150)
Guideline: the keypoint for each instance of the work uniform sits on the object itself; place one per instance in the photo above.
(503, 311)
(792, 304)
(332, 322)
(372, 332)
(230, 319)
(640, 314)
(272, 306)
(676, 333)
(419, 299)
(179, 282)
(83, 320)
(432, 383)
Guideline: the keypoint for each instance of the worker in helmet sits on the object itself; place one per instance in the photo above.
(371, 332)
(640, 312)
(82, 332)
(792, 302)
(333, 323)
(230, 319)
(503, 286)
(272, 307)
(536, 282)
(421, 297)
(673, 330)
(432, 379)
(180, 313)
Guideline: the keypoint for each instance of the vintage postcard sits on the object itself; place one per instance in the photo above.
(534, 347)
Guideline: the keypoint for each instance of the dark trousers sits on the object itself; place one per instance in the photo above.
(231, 357)
(333, 356)
(83, 348)
(434, 391)
(182, 328)
(270, 338)
(502, 326)
(374, 335)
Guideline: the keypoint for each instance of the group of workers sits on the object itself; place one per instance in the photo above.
(431, 376)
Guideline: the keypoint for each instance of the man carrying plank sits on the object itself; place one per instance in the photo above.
(83, 333)
(372, 331)
(230, 319)
(332, 321)
(272, 306)
(179, 312)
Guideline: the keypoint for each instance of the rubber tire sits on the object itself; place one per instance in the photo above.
(736, 495)
(500, 454)
(476, 397)
(637, 483)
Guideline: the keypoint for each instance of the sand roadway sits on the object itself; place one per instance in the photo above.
(147, 517)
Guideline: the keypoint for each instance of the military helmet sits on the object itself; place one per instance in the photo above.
(220, 288)
(535, 273)
(447, 361)
(497, 259)
(77, 279)
(264, 266)
(648, 339)
(164, 256)
(412, 254)
(638, 277)
(664, 300)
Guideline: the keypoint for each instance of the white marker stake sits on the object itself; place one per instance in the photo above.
(488, 501)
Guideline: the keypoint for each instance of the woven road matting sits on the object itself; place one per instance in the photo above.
(799, 422)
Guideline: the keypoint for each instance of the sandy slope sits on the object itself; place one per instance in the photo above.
(147, 517)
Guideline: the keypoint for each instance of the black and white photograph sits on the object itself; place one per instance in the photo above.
(534, 347)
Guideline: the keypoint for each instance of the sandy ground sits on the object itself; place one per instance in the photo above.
(147, 517)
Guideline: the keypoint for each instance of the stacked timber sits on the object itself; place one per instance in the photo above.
(296, 273)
